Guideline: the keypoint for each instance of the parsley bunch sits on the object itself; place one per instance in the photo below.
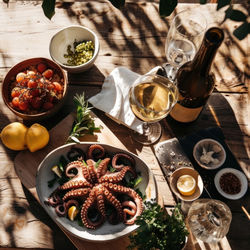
(84, 122)
(159, 230)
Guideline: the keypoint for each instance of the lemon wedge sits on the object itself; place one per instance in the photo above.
(13, 136)
(186, 185)
(37, 137)
(57, 171)
(72, 212)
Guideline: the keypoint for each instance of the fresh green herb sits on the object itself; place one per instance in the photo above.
(97, 163)
(84, 123)
(159, 230)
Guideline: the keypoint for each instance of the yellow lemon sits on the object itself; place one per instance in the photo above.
(72, 212)
(186, 185)
(13, 136)
(37, 137)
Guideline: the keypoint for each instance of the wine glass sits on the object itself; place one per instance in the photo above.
(183, 40)
(151, 98)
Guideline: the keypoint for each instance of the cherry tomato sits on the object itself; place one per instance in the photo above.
(32, 84)
(48, 105)
(41, 67)
(23, 105)
(36, 102)
(15, 101)
(31, 74)
(15, 92)
(58, 86)
(20, 77)
(34, 92)
(48, 73)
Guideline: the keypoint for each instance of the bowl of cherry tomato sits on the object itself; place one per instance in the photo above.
(35, 89)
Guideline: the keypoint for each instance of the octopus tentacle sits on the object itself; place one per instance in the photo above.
(95, 151)
(131, 211)
(79, 180)
(92, 170)
(84, 212)
(100, 200)
(61, 210)
(77, 193)
(117, 176)
(115, 202)
(54, 199)
(131, 193)
(124, 158)
(102, 167)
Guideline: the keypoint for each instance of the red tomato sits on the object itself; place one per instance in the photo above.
(32, 84)
(31, 74)
(34, 92)
(41, 67)
(48, 73)
(48, 105)
(36, 102)
(15, 92)
(15, 101)
(23, 105)
(20, 77)
(58, 86)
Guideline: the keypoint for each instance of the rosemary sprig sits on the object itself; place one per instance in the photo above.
(84, 123)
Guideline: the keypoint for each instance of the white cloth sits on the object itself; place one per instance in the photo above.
(114, 98)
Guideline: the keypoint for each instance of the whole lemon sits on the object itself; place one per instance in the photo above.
(13, 136)
(37, 137)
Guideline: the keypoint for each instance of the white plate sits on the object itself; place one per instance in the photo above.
(241, 177)
(106, 231)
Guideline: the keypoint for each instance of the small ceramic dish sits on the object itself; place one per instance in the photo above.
(67, 36)
(209, 154)
(241, 177)
(186, 171)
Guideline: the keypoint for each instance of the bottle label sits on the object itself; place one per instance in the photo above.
(184, 114)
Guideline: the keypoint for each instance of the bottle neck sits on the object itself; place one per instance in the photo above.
(205, 55)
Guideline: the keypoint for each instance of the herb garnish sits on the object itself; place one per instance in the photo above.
(84, 123)
(158, 229)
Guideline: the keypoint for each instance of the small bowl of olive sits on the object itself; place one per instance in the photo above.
(74, 48)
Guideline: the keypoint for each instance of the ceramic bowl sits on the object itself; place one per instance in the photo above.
(67, 36)
(243, 182)
(209, 154)
(186, 171)
(21, 66)
(106, 231)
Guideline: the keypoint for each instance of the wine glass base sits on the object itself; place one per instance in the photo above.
(151, 136)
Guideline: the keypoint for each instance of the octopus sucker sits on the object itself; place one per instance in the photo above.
(98, 190)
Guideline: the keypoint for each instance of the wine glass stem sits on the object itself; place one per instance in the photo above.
(146, 128)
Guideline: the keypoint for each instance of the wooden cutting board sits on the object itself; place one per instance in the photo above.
(26, 164)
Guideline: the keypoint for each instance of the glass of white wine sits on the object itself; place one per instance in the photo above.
(183, 40)
(151, 98)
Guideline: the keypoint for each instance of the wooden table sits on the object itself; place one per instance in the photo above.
(133, 37)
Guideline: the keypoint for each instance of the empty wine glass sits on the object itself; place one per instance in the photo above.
(183, 39)
(151, 98)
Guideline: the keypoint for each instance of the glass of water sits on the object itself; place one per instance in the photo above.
(183, 40)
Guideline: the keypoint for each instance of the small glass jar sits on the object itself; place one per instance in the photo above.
(209, 220)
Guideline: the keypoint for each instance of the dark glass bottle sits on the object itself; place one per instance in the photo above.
(194, 81)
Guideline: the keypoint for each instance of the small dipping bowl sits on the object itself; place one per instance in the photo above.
(209, 154)
(186, 171)
(67, 36)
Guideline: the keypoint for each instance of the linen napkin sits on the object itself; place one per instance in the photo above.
(114, 97)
